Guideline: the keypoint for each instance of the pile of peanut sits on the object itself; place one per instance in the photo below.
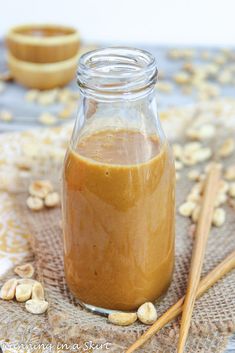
(193, 153)
(42, 195)
(25, 289)
(146, 314)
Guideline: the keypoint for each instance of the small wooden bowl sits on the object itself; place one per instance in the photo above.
(42, 76)
(43, 43)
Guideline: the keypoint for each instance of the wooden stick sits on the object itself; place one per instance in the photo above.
(211, 278)
(198, 254)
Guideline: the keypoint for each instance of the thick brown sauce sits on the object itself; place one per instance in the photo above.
(118, 211)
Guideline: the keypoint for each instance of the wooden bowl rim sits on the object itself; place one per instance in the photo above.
(43, 67)
(48, 41)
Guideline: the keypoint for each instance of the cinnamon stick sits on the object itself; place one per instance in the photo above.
(211, 278)
(198, 254)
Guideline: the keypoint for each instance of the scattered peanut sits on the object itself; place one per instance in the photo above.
(182, 77)
(206, 131)
(221, 198)
(23, 292)
(230, 173)
(6, 115)
(231, 190)
(194, 197)
(147, 313)
(35, 306)
(227, 148)
(218, 217)
(40, 188)
(25, 271)
(32, 95)
(52, 199)
(223, 187)
(47, 119)
(194, 174)
(196, 213)
(122, 319)
(34, 203)
(203, 154)
(8, 289)
(38, 291)
(186, 209)
(178, 165)
(177, 150)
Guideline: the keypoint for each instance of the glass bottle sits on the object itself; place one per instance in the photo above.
(118, 186)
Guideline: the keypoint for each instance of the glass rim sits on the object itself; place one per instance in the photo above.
(116, 69)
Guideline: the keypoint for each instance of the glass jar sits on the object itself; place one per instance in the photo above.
(118, 186)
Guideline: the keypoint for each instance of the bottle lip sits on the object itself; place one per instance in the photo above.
(117, 70)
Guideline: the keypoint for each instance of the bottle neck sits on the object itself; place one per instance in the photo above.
(117, 74)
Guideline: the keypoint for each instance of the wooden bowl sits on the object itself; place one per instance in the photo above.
(43, 43)
(42, 76)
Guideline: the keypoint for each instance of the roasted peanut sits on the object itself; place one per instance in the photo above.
(227, 148)
(35, 306)
(38, 291)
(24, 271)
(122, 319)
(186, 209)
(147, 313)
(231, 190)
(40, 188)
(23, 292)
(52, 199)
(218, 217)
(8, 289)
(34, 203)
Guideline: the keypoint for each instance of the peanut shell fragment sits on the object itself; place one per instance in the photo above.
(23, 292)
(147, 313)
(122, 319)
(36, 307)
(25, 271)
(8, 289)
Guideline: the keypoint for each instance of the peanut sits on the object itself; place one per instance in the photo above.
(38, 291)
(227, 148)
(231, 190)
(8, 289)
(23, 292)
(122, 319)
(218, 217)
(25, 271)
(194, 174)
(230, 173)
(34, 203)
(147, 313)
(178, 165)
(196, 213)
(40, 188)
(35, 306)
(52, 199)
(186, 209)
(47, 119)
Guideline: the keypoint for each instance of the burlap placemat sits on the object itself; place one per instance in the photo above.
(214, 314)
(213, 318)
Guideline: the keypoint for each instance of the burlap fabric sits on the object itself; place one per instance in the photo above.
(214, 314)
